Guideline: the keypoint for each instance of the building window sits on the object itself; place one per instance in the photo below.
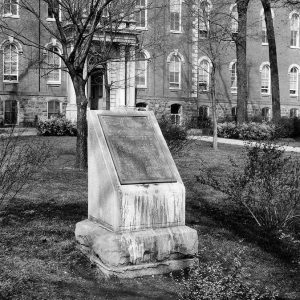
(141, 106)
(175, 15)
(234, 19)
(293, 80)
(203, 113)
(294, 113)
(203, 75)
(204, 11)
(141, 66)
(176, 111)
(53, 8)
(294, 25)
(175, 72)
(10, 63)
(265, 79)
(233, 77)
(264, 37)
(53, 108)
(11, 8)
(10, 112)
(54, 65)
(141, 14)
(266, 113)
(233, 112)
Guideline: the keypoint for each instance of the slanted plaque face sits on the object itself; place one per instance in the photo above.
(136, 151)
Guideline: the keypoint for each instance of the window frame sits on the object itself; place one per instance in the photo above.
(145, 60)
(262, 66)
(172, 55)
(294, 112)
(208, 72)
(264, 27)
(204, 25)
(141, 9)
(233, 89)
(59, 105)
(176, 11)
(50, 81)
(11, 15)
(52, 19)
(296, 81)
(297, 39)
(10, 63)
(177, 116)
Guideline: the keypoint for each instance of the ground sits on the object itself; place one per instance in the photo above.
(38, 254)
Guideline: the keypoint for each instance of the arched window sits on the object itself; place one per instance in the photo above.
(204, 74)
(233, 77)
(141, 106)
(11, 8)
(175, 15)
(176, 111)
(234, 19)
(265, 79)
(53, 65)
(293, 80)
(264, 37)
(294, 27)
(203, 112)
(294, 113)
(204, 12)
(10, 63)
(54, 108)
(174, 60)
(141, 66)
(266, 113)
(141, 14)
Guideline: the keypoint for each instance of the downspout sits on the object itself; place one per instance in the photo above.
(39, 29)
(125, 100)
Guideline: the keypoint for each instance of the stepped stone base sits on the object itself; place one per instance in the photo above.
(137, 253)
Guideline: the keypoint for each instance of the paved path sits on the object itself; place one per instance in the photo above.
(237, 142)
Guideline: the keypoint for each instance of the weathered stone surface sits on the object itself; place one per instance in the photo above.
(143, 249)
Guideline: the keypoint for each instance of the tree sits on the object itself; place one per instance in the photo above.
(83, 30)
(273, 60)
(241, 55)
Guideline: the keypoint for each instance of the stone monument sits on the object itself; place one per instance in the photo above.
(136, 199)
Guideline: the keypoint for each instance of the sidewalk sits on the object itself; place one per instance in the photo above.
(237, 142)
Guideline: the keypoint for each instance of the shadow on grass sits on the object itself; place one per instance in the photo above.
(242, 225)
(26, 211)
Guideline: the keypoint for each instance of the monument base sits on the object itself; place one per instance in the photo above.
(137, 253)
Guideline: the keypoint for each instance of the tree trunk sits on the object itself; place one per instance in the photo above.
(107, 89)
(214, 108)
(273, 60)
(81, 143)
(241, 55)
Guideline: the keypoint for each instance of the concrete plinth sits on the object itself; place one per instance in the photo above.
(137, 253)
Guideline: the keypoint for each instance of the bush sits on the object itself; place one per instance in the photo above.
(175, 135)
(221, 281)
(267, 185)
(247, 131)
(56, 126)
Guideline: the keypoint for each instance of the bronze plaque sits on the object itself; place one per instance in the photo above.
(136, 151)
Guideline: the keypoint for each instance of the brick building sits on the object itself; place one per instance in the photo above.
(168, 69)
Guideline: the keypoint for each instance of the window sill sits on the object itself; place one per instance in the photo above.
(293, 96)
(11, 16)
(54, 83)
(174, 89)
(10, 82)
(265, 95)
(265, 44)
(294, 47)
(176, 31)
(141, 87)
(50, 19)
(141, 28)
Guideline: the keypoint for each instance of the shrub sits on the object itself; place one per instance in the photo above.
(267, 185)
(56, 126)
(247, 131)
(175, 135)
(217, 281)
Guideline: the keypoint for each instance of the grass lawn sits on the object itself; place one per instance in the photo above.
(38, 255)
